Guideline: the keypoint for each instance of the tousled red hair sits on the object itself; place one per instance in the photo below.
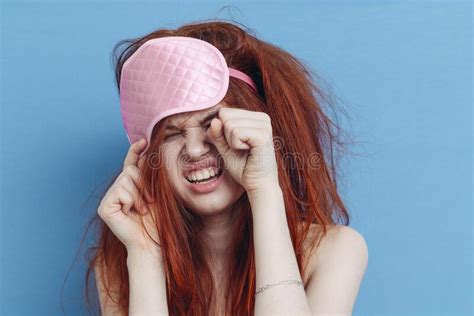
(305, 141)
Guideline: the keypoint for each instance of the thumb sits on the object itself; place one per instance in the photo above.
(216, 133)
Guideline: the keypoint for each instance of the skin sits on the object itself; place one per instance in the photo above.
(189, 145)
(145, 267)
(242, 140)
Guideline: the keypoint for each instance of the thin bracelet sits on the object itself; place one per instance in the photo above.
(263, 288)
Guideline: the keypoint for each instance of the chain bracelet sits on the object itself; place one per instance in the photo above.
(263, 288)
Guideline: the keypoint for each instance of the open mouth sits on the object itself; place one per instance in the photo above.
(204, 175)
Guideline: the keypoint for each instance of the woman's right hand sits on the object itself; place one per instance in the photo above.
(120, 210)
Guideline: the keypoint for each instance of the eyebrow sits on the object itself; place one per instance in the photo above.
(208, 117)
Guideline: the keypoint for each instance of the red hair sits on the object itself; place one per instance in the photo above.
(306, 139)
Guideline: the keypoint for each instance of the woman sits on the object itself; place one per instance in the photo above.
(228, 205)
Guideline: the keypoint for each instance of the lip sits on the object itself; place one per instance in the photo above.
(205, 187)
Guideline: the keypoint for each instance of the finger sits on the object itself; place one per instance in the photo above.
(134, 152)
(134, 172)
(233, 140)
(129, 180)
(132, 198)
(217, 136)
(141, 161)
(130, 171)
(115, 207)
(234, 123)
(125, 198)
(244, 122)
(236, 141)
(139, 206)
(245, 137)
(226, 113)
(113, 215)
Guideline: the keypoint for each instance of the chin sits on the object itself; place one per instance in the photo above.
(209, 210)
(214, 203)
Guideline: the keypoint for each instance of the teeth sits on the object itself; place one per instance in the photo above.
(206, 174)
(202, 174)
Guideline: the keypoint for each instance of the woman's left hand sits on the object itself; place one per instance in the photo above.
(244, 140)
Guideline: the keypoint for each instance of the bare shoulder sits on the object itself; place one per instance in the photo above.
(340, 243)
(337, 269)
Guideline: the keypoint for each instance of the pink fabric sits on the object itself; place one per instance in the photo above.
(171, 75)
(240, 75)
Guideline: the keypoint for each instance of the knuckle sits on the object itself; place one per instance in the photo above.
(100, 211)
(223, 110)
(229, 126)
(122, 181)
(127, 181)
(123, 193)
(223, 115)
(134, 171)
(265, 116)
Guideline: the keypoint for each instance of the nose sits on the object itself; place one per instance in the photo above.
(197, 144)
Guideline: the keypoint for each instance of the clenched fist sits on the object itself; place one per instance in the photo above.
(122, 206)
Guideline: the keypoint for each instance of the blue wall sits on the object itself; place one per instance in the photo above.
(402, 69)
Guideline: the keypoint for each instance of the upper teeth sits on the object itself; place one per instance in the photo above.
(202, 174)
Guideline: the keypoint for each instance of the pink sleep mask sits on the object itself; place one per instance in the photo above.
(170, 75)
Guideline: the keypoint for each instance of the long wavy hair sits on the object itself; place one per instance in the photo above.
(307, 139)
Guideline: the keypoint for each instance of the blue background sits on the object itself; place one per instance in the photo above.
(402, 70)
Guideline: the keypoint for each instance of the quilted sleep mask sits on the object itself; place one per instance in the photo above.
(170, 75)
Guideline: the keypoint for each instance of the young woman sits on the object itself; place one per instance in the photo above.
(226, 205)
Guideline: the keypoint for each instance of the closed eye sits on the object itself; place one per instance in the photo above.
(167, 137)
(174, 135)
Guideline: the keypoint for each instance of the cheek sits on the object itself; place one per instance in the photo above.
(170, 163)
(173, 176)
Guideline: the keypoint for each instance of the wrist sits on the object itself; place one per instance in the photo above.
(143, 255)
(268, 206)
(265, 192)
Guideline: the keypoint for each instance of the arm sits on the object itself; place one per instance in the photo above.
(275, 259)
(147, 283)
(126, 214)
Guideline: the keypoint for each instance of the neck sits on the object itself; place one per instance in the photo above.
(217, 235)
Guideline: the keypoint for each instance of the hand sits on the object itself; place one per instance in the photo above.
(122, 206)
(244, 140)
